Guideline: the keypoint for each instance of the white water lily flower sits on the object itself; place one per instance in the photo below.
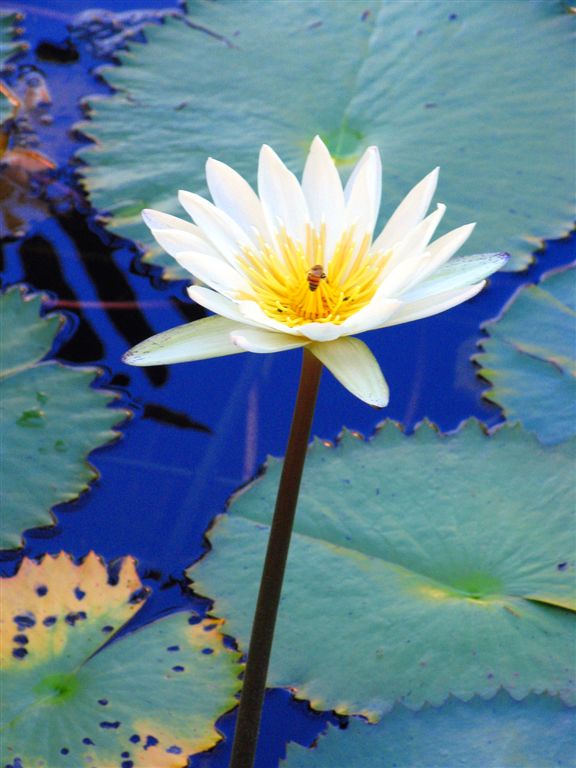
(298, 265)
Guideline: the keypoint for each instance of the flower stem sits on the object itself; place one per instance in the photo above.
(254, 685)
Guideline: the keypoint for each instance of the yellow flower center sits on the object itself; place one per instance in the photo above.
(293, 284)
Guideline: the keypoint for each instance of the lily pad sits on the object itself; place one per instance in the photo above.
(146, 700)
(530, 358)
(478, 88)
(501, 733)
(50, 416)
(10, 45)
(431, 564)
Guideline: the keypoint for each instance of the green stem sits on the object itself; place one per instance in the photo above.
(254, 685)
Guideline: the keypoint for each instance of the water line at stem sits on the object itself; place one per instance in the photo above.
(254, 684)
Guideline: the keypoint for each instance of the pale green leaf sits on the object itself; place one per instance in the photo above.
(420, 566)
(480, 89)
(50, 417)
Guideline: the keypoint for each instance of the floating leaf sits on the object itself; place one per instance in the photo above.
(500, 733)
(50, 416)
(9, 43)
(432, 564)
(530, 358)
(147, 700)
(477, 88)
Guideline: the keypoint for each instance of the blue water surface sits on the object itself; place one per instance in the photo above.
(199, 430)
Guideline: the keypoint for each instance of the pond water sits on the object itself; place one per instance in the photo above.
(199, 430)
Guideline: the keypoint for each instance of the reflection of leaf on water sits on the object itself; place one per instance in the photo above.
(148, 699)
(433, 564)
(442, 83)
(534, 733)
(530, 358)
(51, 419)
(10, 44)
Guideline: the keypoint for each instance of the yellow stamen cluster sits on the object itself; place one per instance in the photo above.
(279, 277)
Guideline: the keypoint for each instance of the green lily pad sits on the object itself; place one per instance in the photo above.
(478, 88)
(147, 700)
(500, 733)
(431, 564)
(50, 417)
(530, 358)
(10, 45)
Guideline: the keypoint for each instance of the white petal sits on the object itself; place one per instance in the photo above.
(372, 316)
(442, 249)
(320, 331)
(233, 195)
(410, 212)
(414, 244)
(176, 242)
(355, 367)
(209, 337)
(281, 195)
(363, 192)
(253, 314)
(433, 305)
(159, 220)
(257, 340)
(324, 194)
(222, 231)
(217, 303)
(215, 272)
(457, 273)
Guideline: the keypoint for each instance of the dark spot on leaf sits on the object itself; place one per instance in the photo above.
(79, 594)
(207, 651)
(49, 621)
(138, 595)
(61, 53)
(430, 105)
(150, 742)
(195, 619)
(41, 590)
(174, 750)
(20, 639)
(19, 653)
(103, 702)
(107, 725)
(562, 566)
(25, 621)
(365, 15)
(489, 675)
(173, 648)
(72, 618)
(87, 741)
(209, 627)
(64, 751)
(34, 417)
(134, 738)
(125, 754)
(126, 764)
(108, 628)
(178, 668)
(453, 17)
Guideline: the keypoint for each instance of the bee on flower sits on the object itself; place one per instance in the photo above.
(299, 265)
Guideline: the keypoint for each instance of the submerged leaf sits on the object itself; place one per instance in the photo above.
(148, 699)
(50, 416)
(444, 83)
(500, 733)
(530, 358)
(432, 564)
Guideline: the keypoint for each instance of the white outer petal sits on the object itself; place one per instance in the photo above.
(433, 305)
(217, 303)
(457, 273)
(372, 316)
(209, 337)
(409, 213)
(281, 196)
(215, 272)
(324, 194)
(320, 331)
(362, 194)
(442, 249)
(222, 231)
(260, 341)
(233, 195)
(253, 314)
(159, 220)
(355, 367)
